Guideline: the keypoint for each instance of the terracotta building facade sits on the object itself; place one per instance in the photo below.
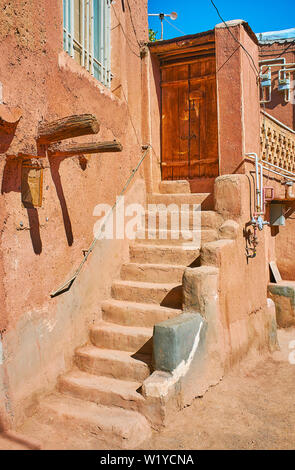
(115, 332)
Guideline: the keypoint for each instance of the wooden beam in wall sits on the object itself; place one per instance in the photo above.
(84, 148)
(68, 127)
(9, 117)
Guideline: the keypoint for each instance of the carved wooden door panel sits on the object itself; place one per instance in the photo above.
(189, 125)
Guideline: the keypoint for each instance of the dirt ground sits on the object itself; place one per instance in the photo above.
(252, 408)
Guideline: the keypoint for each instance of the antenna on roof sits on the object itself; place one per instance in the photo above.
(172, 15)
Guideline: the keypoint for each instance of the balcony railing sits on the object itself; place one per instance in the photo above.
(277, 143)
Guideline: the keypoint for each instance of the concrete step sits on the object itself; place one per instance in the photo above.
(174, 187)
(136, 314)
(145, 272)
(175, 237)
(162, 236)
(12, 440)
(113, 363)
(101, 390)
(94, 424)
(168, 295)
(163, 254)
(205, 199)
(188, 219)
(124, 338)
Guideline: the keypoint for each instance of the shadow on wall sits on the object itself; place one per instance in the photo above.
(277, 98)
(12, 182)
(54, 163)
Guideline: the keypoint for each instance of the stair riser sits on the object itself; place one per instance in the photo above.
(156, 239)
(174, 187)
(114, 340)
(92, 435)
(168, 298)
(106, 398)
(205, 199)
(134, 317)
(207, 220)
(146, 273)
(199, 237)
(158, 255)
(137, 371)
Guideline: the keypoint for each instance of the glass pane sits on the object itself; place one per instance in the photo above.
(96, 32)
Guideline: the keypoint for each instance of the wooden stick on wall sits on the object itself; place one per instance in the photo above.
(68, 127)
(84, 148)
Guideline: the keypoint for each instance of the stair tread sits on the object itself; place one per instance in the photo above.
(150, 211)
(127, 388)
(137, 305)
(181, 194)
(107, 417)
(100, 353)
(149, 285)
(155, 265)
(170, 246)
(125, 330)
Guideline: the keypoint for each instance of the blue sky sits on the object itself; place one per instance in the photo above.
(199, 15)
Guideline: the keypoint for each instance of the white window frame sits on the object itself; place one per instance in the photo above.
(99, 63)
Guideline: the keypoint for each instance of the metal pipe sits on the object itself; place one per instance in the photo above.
(258, 190)
(72, 7)
(88, 33)
(266, 61)
(83, 33)
(101, 15)
(262, 203)
(92, 37)
(105, 40)
(67, 24)
(108, 26)
(273, 171)
(279, 168)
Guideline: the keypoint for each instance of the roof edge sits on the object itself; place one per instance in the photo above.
(180, 38)
(232, 23)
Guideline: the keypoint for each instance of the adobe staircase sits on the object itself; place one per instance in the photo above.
(100, 397)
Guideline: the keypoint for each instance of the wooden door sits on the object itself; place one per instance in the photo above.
(189, 121)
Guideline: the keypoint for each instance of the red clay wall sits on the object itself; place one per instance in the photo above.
(237, 95)
(40, 248)
(239, 121)
(285, 245)
(284, 112)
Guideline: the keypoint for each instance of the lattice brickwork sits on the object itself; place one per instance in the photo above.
(277, 144)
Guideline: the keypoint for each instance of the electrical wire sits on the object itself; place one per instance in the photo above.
(131, 18)
(283, 52)
(126, 37)
(237, 41)
(174, 26)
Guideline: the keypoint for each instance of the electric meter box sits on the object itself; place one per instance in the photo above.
(276, 214)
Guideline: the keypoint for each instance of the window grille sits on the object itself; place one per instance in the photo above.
(86, 35)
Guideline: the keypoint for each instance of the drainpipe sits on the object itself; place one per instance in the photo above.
(146, 117)
(257, 220)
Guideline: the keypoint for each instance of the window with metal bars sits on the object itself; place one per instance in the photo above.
(86, 35)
